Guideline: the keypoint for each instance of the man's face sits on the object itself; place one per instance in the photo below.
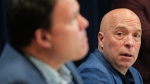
(122, 41)
(69, 39)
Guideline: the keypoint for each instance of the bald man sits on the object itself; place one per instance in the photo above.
(119, 42)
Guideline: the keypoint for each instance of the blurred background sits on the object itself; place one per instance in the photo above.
(93, 11)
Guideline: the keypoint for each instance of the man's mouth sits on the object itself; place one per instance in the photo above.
(126, 55)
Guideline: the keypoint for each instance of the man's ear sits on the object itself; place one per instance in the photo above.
(43, 38)
(100, 39)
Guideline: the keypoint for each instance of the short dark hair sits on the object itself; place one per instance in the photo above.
(24, 17)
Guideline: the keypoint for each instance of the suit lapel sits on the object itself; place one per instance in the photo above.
(116, 77)
(134, 76)
(76, 77)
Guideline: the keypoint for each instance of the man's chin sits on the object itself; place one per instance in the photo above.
(81, 56)
(126, 66)
(84, 52)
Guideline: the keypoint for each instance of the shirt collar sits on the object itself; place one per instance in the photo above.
(126, 79)
(62, 76)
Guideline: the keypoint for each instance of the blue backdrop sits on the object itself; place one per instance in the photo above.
(93, 10)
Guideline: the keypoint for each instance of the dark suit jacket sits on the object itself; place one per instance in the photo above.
(142, 9)
(97, 70)
(16, 68)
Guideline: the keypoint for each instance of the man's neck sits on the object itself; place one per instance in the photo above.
(50, 60)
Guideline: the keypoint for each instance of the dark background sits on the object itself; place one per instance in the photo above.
(92, 10)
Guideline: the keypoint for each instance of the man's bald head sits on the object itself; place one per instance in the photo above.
(114, 16)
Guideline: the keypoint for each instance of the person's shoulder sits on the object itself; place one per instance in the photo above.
(93, 65)
(19, 72)
(91, 62)
(94, 61)
(11, 69)
(11, 60)
(93, 71)
(15, 68)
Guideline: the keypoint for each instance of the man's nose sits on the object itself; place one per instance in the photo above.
(83, 23)
(129, 41)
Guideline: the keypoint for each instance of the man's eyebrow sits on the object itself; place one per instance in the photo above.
(123, 27)
(139, 30)
(120, 27)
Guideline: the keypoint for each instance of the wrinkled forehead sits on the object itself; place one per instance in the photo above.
(117, 17)
(126, 18)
